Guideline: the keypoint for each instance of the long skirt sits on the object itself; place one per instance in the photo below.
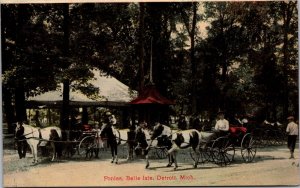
(292, 142)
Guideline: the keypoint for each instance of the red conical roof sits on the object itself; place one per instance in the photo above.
(150, 95)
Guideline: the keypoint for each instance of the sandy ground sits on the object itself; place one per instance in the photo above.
(270, 167)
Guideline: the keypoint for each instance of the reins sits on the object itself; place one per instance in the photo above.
(28, 134)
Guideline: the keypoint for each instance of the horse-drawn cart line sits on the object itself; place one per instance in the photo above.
(204, 146)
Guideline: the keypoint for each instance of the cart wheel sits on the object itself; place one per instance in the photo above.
(223, 151)
(209, 153)
(205, 155)
(248, 148)
(161, 153)
(215, 151)
(86, 146)
(90, 153)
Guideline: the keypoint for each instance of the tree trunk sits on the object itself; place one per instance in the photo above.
(192, 59)
(287, 12)
(64, 120)
(224, 64)
(20, 103)
(49, 116)
(141, 46)
(8, 110)
(285, 74)
(66, 28)
(85, 116)
(20, 44)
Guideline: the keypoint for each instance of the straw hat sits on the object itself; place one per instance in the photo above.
(108, 114)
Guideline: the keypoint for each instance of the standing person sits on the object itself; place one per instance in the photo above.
(197, 124)
(108, 132)
(110, 122)
(131, 139)
(98, 140)
(36, 118)
(21, 140)
(222, 125)
(293, 131)
(182, 125)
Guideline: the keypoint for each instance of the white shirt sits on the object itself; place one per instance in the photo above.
(97, 131)
(292, 128)
(222, 125)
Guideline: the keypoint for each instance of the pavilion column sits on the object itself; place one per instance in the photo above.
(49, 116)
(65, 110)
(85, 116)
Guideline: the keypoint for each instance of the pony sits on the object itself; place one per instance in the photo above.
(160, 137)
(115, 137)
(160, 130)
(185, 139)
(40, 136)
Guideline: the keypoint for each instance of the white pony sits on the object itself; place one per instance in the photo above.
(39, 136)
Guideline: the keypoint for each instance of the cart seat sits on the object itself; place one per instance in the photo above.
(236, 131)
(86, 127)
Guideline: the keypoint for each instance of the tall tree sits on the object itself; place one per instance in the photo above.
(226, 35)
(141, 47)
(64, 122)
(287, 12)
(23, 15)
(190, 18)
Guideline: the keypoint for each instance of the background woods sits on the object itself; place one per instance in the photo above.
(237, 56)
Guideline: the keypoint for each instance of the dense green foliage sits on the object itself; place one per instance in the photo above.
(244, 61)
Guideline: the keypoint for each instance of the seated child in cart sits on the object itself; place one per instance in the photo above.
(222, 125)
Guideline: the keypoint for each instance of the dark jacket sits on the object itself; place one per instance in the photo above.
(20, 133)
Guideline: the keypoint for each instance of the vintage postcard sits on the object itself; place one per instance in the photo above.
(141, 93)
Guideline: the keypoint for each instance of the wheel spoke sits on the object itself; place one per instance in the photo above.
(253, 154)
(229, 160)
(223, 159)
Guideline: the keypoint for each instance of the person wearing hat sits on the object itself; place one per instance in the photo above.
(293, 131)
(222, 125)
(111, 119)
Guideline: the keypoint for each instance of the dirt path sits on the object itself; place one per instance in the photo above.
(271, 167)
